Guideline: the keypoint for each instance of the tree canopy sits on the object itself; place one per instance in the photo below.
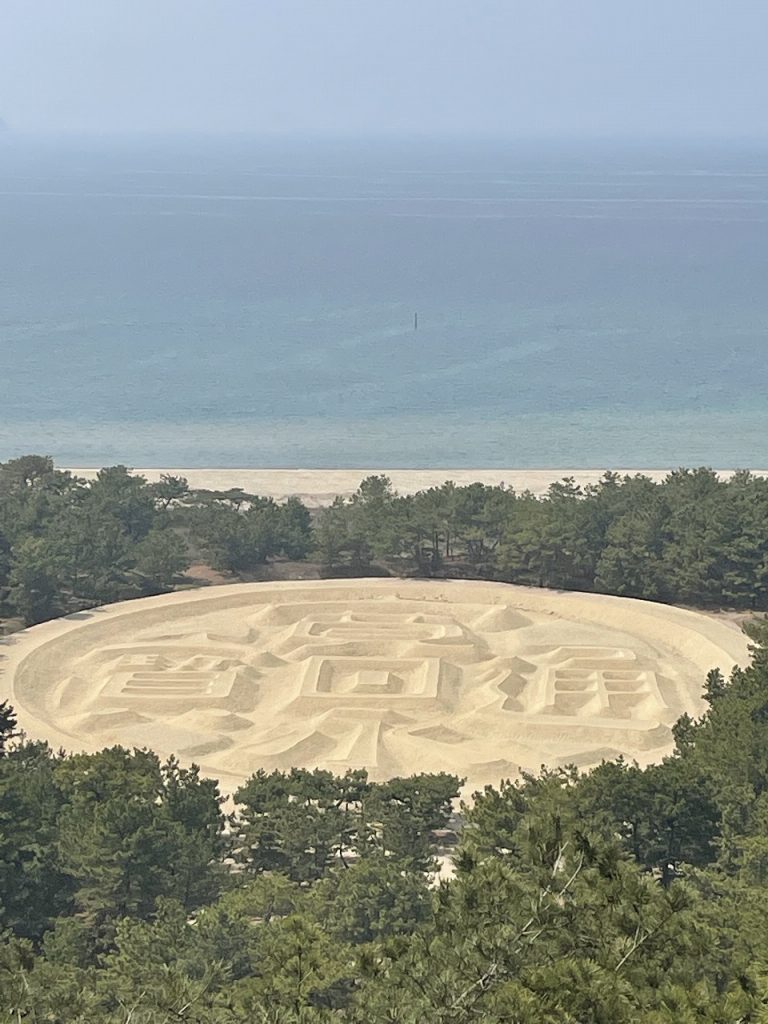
(615, 896)
(68, 544)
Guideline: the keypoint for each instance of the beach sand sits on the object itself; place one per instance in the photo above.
(318, 487)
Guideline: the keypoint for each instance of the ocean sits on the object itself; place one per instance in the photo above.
(241, 302)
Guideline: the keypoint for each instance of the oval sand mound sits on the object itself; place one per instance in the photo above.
(480, 679)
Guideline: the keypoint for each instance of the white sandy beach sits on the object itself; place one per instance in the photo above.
(318, 487)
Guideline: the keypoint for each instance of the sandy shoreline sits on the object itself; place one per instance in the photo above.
(318, 487)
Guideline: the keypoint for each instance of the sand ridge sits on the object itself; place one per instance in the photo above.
(395, 676)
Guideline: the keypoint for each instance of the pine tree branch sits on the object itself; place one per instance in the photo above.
(482, 983)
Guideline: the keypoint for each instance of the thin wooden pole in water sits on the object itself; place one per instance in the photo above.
(415, 321)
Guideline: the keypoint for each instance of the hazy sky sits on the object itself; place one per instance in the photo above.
(489, 67)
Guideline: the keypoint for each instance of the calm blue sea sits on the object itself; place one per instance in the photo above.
(250, 303)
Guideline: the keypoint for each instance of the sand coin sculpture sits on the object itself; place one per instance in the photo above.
(483, 680)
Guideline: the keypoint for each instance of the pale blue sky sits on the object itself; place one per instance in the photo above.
(433, 67)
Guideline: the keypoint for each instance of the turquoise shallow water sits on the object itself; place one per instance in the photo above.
(246, 303)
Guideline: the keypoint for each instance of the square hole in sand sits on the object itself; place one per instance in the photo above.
(363, 680)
